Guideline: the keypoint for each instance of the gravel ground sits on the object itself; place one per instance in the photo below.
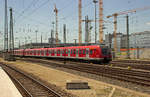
(98, 89)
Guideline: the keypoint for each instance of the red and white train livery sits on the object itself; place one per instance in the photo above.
(95, 53)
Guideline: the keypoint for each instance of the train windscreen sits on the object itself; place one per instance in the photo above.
(105, 50)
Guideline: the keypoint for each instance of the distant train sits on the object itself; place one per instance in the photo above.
(95, 53)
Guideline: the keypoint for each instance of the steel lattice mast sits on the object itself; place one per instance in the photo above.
(101, 21)
(56, 13)
(6, 29)
(80, 21)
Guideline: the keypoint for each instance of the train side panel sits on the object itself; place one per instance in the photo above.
(96, 52)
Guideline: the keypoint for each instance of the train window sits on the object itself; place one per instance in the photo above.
(87, 51)
(83, 51)
(74, 51)
(71, 51)
(44, 52)
(80, 51)
(55, 51)
(64, 51)
(49, 51)
(58, 52)
(105, 51)
(77, 51)
(95, 50)
(91, 52)
(68, 51)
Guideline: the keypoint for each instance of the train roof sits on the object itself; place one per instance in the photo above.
(71, 47)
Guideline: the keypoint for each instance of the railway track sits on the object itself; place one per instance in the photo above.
(29, 86)
(134, 76)
(133, 64)
(133, 61)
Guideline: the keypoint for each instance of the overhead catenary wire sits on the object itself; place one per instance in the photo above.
(33, 11)
(26, 9)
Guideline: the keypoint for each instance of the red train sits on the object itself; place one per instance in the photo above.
(89, 53)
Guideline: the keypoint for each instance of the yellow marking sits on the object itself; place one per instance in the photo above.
(129, 68)
(111, 65)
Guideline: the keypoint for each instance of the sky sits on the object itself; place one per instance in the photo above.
(32, 15)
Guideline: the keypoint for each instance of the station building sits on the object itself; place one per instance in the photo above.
(140, 39)
(136, 40)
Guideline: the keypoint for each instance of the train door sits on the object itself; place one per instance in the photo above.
(53, 52)
(80, 52)
(47, 52)
(50, 52)
(91, 51)
(61, 52)
(87, 53)
(44, 51)
(77, 52)
(84, 53)
(58, 52)
(68, 52)
(74, 52)
(71, 52)
(34, 52)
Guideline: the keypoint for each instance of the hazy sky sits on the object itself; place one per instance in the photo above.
(31, 15)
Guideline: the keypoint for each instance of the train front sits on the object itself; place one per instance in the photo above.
(106, 54)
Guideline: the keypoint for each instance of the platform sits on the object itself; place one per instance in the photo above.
(7, 87)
